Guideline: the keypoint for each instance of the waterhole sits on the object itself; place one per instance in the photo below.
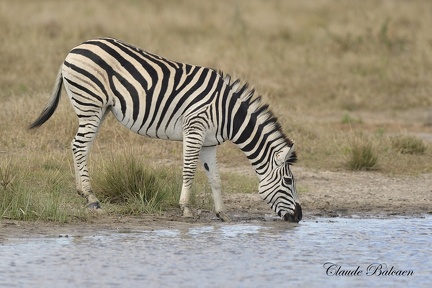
(334, 252)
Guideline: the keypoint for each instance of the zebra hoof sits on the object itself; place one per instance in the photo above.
(94, 205)
(223, 217)
(187, 213)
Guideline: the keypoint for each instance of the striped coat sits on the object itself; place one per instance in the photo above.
(164, 99)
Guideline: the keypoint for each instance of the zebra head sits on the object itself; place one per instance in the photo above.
(278, 189)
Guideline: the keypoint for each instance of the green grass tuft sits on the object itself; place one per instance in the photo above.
(362, 155)
(408, 145)
(125, 180)
(347, 119)
(23, 197)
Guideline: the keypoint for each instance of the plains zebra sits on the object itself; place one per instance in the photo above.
(163, 99)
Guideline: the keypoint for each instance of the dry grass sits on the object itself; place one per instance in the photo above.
(328, 69)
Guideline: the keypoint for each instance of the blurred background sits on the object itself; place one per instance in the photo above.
(337, 74)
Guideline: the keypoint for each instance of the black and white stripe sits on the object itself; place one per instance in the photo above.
(159, 98)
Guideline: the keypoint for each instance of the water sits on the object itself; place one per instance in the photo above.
(255, 254)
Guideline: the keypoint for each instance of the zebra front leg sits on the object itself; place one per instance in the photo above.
(192, 143)
(209, 161)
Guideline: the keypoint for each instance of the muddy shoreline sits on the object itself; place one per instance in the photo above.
(324, 194)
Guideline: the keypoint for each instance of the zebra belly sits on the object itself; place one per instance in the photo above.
(169, 134)
(176, 134)
(173, 132)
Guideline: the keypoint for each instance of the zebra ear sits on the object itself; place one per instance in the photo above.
(291, 156)
(281, 156)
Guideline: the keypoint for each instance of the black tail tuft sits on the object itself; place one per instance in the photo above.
(52, 104)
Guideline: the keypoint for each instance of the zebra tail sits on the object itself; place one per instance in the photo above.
(52, 104)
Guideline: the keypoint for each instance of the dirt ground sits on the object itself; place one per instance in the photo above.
(326, 194)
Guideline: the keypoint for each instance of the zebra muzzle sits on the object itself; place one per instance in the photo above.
(296, 216)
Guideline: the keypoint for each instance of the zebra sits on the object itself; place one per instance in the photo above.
(164, 99)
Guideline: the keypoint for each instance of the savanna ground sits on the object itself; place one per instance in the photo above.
(350, 81)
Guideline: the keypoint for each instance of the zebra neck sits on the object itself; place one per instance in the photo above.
(262, 158)
(252, 126)
(259, 138)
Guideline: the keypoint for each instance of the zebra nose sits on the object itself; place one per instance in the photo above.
(296, 216)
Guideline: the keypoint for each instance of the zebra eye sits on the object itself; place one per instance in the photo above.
(288, 180)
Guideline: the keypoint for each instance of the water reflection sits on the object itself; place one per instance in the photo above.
(259, 254)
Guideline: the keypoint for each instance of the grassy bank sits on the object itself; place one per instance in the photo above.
(350, 82)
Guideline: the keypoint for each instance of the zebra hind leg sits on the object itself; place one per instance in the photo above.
(81, 145)
(208, 159)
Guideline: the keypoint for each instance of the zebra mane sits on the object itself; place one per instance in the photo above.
(256, 105)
